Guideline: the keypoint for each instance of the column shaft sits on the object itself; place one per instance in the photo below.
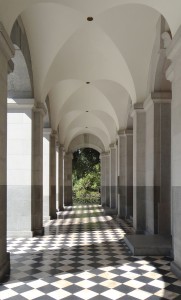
(52, 178)
(125, 150)
(68, 179)
(37, 171)
(158, 164)
(113, 176)
(103, 179)
(61, 179)
(139, 170)
(6, 52)
(173, 74)
(107, 178)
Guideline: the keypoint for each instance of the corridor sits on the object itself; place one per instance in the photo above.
(83, 256)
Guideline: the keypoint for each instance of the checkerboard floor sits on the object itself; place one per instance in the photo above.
(83, 256)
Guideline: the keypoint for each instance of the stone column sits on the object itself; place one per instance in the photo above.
(38, 113)
(103, 179)
(68, 179)
(174, 75)
(129, 173)
(107, 178)
(113, 176)
(122, 174)
(158, 163)
(61, 178)
(125, 152)
(6, 52)
(52, 178)
(46, 173)
(138, 115)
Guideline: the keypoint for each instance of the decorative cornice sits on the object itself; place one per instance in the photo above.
(6, 45)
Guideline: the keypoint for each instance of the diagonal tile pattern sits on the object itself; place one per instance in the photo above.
(83, 256)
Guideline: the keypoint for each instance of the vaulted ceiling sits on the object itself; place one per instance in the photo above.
(92, 71)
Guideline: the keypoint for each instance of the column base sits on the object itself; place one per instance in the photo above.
(61, 209)
(53, 217)
(5, 268)
(175, 269)
(38, 232)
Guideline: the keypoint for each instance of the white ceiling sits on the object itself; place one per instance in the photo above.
(113, 53)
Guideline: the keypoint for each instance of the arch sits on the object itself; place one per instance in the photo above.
(86, 141)
(94, 131)
(21, 85)
(159, 63)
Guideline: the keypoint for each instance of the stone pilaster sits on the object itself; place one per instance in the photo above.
(122, 174)
(61, 178)
(38, 113)
(113, 176)
(52, 181)
(103, 178)
(174, 75)
(106, 168)
(68, 179)
(158, 163)
(125, 158)
(138, 115)
(129, 173)
(6, 52)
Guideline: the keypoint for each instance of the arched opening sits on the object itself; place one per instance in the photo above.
(86, 176)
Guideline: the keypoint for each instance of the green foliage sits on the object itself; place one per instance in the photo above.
(86, 176)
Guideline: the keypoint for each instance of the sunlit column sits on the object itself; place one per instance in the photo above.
(6, 52)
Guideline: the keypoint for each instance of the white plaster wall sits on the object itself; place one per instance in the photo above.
(19, 172)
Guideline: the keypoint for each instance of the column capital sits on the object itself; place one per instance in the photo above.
(104, 154)
(6, 45)
(40, 107)
(136, 108)
(54, 133)
(129, 132)
(60, 146)
(112, 146)
(121, 132)
(157, 98)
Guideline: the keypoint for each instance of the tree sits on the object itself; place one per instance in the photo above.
(86, 176)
